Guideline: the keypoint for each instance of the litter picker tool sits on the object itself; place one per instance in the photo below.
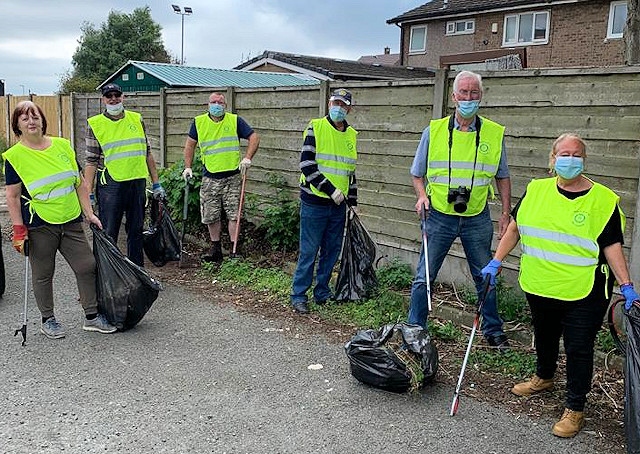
(23, 330)
(237, 232)
(185, 213)
(476, 322)
(427, 279)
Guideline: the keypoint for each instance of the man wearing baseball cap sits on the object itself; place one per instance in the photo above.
(327, 185)
(119, 151)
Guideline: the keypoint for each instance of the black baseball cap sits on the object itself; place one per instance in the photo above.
(110, 88)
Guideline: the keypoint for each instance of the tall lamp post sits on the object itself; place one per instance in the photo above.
(187, 11)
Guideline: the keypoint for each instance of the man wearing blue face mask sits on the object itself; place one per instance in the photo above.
(327, 185)
(455, 163)
(218, 134)
(118, 150)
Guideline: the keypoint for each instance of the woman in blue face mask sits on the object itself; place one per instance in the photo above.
(571, 233)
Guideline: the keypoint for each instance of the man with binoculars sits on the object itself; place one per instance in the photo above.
(455, 163)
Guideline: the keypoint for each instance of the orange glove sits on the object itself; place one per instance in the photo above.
(20, 235)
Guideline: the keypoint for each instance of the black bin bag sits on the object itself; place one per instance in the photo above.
(125, 290)
(396, 357)
(632, 380)
(357, 276)
(160, 240)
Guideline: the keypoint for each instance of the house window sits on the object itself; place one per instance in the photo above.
(125, 77)
(526, 28)
(461, 27)
(140, 76)
(617, 19)
(418, 40)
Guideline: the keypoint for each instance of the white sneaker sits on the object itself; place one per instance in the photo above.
(99, 325)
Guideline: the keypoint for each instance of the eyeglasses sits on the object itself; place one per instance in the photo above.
(113, 95)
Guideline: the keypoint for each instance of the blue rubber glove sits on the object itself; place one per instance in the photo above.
(629, 294)
(158, 191)
(92, 199)
(492, 270)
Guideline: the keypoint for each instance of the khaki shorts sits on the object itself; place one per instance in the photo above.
(218, 195)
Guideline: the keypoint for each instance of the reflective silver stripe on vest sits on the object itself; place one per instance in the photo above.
(464, 165)
(52, 179)
(559, 237)
(333, 170)
(124, 154)
(122, 143)
(335, 158)
(559, 258)
(211, 143)
(455, 182)
(220, 150)
(56, 193)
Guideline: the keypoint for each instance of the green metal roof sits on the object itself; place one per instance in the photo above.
(191, 76)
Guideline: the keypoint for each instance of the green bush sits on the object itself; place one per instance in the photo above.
(174, 185)
(280, 215)
(395, 275)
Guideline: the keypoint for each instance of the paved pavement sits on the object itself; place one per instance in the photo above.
(196, 376)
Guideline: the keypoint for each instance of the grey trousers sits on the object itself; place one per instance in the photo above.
(71, 241)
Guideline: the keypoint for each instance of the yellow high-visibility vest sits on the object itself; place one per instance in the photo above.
(218, 142)
(50, 177)
(124, 145)
(336, 154)
(463, 154)
(559, 238)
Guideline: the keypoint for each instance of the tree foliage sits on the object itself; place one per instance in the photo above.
(102, 51)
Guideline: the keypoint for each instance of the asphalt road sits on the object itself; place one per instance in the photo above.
(197, 376)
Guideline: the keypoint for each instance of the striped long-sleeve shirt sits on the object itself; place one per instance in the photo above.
(313, 176)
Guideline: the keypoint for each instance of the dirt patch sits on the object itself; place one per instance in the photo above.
(605, 407)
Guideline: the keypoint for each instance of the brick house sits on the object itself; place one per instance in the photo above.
(545, 33)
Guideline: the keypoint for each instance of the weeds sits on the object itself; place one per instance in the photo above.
(174, 185)
(395, 275)
(445, 331)
(513, 363)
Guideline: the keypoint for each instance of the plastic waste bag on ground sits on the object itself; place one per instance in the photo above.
(357, 277)
(125, 290)
(632, 380)
(161, 240)
(396, 357)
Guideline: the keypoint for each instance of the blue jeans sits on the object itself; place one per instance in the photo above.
(475, 233)
(321, 232)
(118, 198)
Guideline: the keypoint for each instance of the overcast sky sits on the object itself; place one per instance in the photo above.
(38, 38)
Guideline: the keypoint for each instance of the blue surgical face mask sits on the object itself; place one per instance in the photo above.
(114, 109)
(337, 113)
(217, 110)
(468, 109)
(569, 167)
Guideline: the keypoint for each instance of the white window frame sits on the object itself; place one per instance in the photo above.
(424, 41)
(612, 8)
(469, 27)
(125, 77)
(533, 41)
(140, 75)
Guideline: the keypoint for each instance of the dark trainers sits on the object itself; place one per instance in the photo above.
(215, 254)
(52, 329)
(301, 308)
(99, 325)
(500, 342)
(534, 386)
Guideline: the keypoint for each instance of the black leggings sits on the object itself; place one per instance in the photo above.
(578, 322)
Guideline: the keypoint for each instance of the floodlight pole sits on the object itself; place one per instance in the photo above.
(186, 11)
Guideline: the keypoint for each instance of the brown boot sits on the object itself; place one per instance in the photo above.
(533, 386)
(569, 425)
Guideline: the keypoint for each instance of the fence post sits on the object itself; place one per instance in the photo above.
(163, 127)
(8, 124)
(230, 98)
(440, 100)
(72, 120)
(324, 98)
(59, 112)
